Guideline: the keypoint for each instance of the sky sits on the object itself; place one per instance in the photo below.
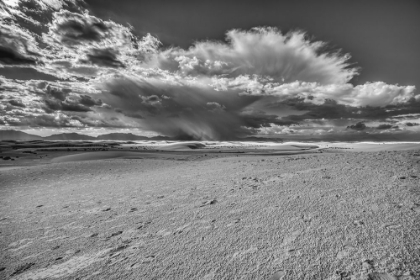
(212, 70)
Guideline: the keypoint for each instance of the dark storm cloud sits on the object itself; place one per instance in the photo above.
(180, 109)
(135, 115)
(74, 105)
(73, 28)
(17, 103)
(67, 105)
(61, 100)
(25, 73)
(331, 109)
(88, 101)
(56, 93)
(215, 107)
(357, 126)
(259, 119)
(103, 57)
(17, 47)
(9, 56)
(386, 126)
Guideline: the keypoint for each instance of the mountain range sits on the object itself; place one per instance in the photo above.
(23, 136)
(19, 135)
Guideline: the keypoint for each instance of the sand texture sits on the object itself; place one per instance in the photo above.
(175, 211)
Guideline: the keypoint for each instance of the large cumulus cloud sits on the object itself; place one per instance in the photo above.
(261, 51)
(258, 81)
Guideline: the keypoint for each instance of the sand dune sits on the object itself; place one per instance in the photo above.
(293, 147)
(182, 146)
(97, 156)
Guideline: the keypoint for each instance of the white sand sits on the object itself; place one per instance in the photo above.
(339, 214)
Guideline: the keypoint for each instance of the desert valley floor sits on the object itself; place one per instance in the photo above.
(210, 211)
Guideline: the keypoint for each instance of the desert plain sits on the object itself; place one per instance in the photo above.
(209, 210)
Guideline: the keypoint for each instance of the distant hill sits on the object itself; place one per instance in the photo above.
(69, 136)
(17, 135)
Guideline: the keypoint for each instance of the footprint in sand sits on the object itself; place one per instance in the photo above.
(163, 233)
(307, 218)
(143, 225)
(391, 226)
(133, 209)
(241, 254)
(209, 276)
(416, 208)
(278, 275)
(290, 238)
(115, 234)
(89, 234)
(72, 252)
(344, 253)
(182, 229)
(208, 202)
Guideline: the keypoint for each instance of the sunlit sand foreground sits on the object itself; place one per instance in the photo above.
(209, 210)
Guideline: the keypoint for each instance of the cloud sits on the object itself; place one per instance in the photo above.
(260, 51)
(16, 103)
(61, 39)
(63, 99)
(385, 126)
(103, 57)
(215, 107)
(178, 108)
(55, 92)
(17, 46)
(9, 56)
(40, 103)
(379, 94)
(88, 101)
(358, 126)
(67, 105)
(376, 94)
(84, 71)
(72, 28)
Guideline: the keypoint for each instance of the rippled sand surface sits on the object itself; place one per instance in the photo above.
(320, 211)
